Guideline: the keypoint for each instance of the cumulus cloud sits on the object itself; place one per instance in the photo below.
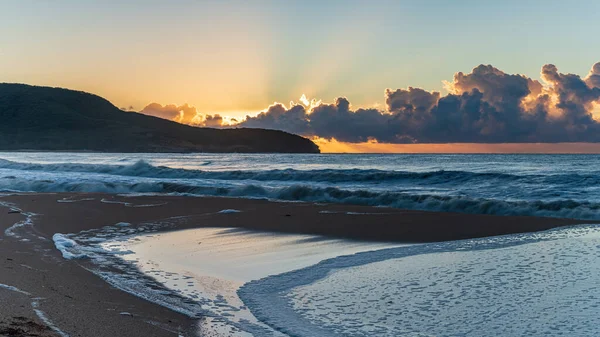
(486, 105)
(213, 121)
(178, 113)
(185, 114)
(593, 78)
(277, 116)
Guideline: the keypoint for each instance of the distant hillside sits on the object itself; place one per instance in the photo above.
(53, 119)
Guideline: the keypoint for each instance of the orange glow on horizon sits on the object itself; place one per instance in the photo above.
(334, 146)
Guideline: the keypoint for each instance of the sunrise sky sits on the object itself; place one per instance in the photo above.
(237, 58)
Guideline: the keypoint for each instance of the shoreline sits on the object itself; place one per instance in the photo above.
(79, 303)
(329, 153)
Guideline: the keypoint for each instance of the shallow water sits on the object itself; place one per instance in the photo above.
(198, 272)
(539, 289)
(542, 284)
(210, 264)
(249, 283)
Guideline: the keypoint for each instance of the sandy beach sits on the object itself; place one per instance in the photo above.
(51, 296)
(268, 169)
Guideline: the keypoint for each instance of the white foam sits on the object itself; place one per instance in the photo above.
(128, 204)
(364, 213)
(15, 289)
(108, 264)
(71, 200)
(35, 305)
(538, 284)
(386, 292)
(227, 211)
(42, 315)
(351, 213)
(67, 247)
(208, 265)
(12, 231)
(147, 205)
(106, 201)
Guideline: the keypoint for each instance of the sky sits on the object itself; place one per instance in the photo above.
(237, 58)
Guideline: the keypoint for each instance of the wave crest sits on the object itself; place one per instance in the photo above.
(144, 169)
(463, 204)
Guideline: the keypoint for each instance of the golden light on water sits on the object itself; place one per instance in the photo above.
(334, 146)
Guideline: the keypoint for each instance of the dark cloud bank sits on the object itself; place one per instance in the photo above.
(484, 106)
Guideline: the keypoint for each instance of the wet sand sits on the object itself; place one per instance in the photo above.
(74, 301)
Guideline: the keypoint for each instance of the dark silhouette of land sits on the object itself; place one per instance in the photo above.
(56, 119)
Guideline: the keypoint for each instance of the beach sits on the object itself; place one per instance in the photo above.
(47, 290)
(287, 169)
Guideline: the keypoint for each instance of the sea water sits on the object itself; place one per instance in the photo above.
(535, 284)
(244, 283)
(209, 265)
(542, 185)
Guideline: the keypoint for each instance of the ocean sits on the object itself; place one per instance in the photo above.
(503, 184)
(239, 282)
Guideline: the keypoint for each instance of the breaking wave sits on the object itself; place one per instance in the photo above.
(143, 169)
(566, 208)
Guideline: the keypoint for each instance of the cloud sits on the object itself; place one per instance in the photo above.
(486, 105)
(277, 116)
(338, 121)
(185, 114)
(213, 121)
(181, 114)
(593, 78)
(411, 100)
